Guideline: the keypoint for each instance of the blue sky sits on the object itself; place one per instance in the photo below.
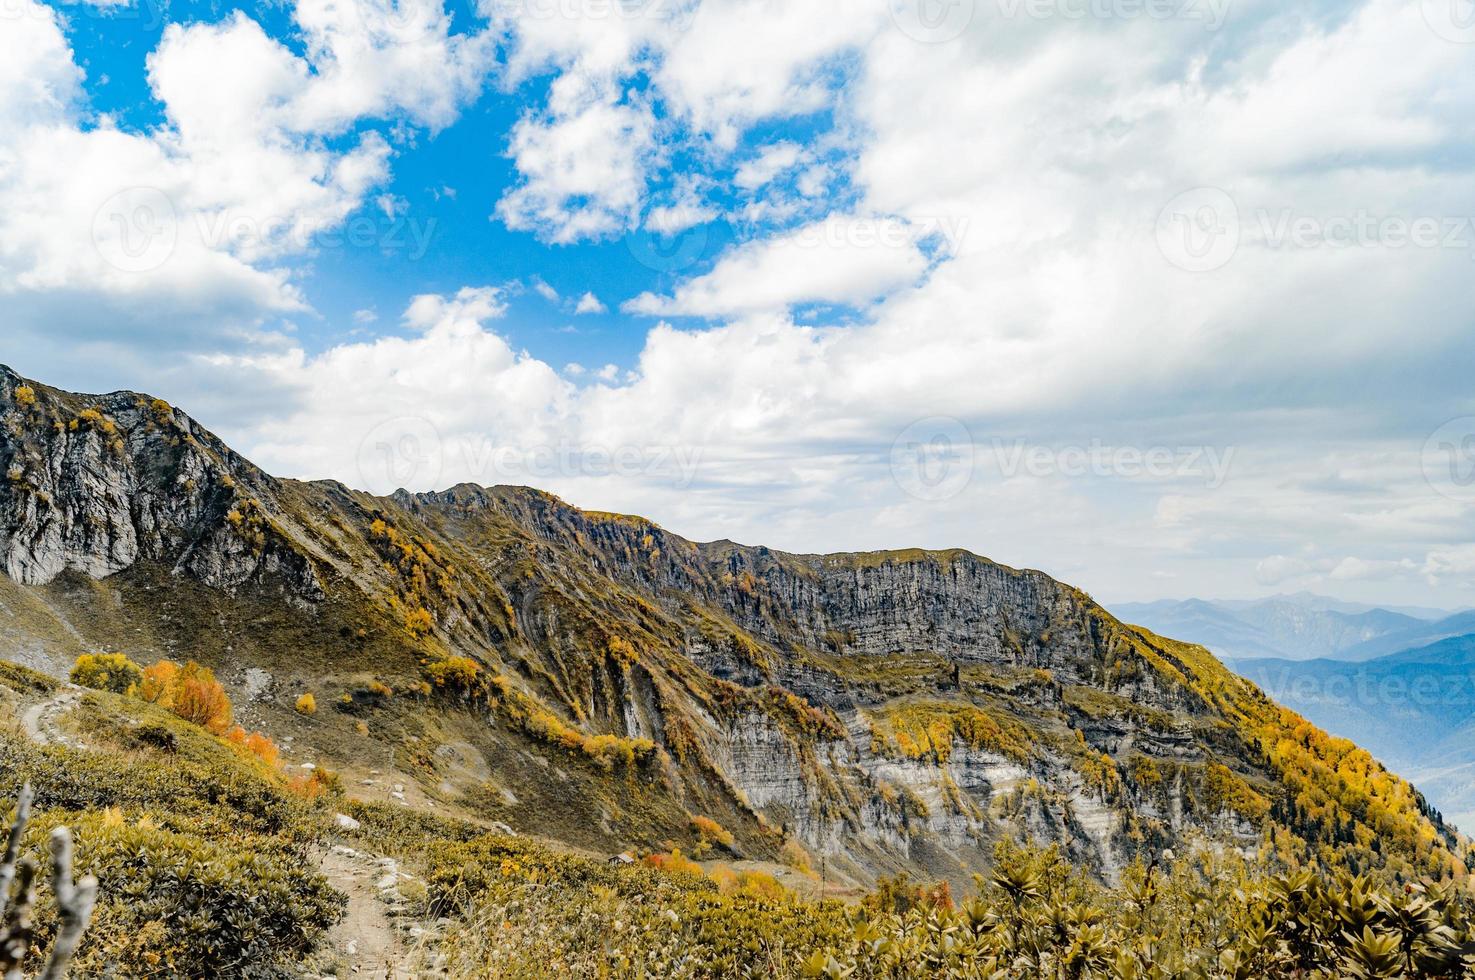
(1166, 298)
(447, 184)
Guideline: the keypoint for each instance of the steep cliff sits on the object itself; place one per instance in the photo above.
(883, 711)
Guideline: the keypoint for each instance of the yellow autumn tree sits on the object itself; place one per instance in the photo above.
(107, 672)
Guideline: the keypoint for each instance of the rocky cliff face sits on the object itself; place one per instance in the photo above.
(96, 485)
(898, 711)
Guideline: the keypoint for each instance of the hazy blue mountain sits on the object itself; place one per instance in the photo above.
(1326, 603)
(1414, 710)
(1293, 627)
(1417, 635)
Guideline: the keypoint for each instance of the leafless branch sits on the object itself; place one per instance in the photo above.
(74, 901)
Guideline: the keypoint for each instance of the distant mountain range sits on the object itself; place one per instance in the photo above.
(1414, 710)
(1302, 626)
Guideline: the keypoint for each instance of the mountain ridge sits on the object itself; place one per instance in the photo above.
(888, 710)
(1299, 626)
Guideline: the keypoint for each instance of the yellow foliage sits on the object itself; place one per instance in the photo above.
(107, 672)
(456, 674)
(25, 396)
(794, 855)
(419, 622)
(307, 705)
(424, 580)
(929, 730)
(712, 831)
(621, 651)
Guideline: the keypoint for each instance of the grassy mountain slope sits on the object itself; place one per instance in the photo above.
(498, 653)
(212, 862)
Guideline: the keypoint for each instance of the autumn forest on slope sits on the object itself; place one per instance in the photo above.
(499, 693)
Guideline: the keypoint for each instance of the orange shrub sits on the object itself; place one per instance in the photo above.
(191, 692)
(158, 683)
(675, 862)
(711, 831)
(313, 784)
(256, 744)
(201, 699)
(264, 749)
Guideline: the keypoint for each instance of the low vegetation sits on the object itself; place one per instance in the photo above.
(516, 907)
(201, 848)
(931, 730)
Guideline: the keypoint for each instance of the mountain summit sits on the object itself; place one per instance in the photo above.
(597, 679)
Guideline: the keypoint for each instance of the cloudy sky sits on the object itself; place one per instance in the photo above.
(1165, 297)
